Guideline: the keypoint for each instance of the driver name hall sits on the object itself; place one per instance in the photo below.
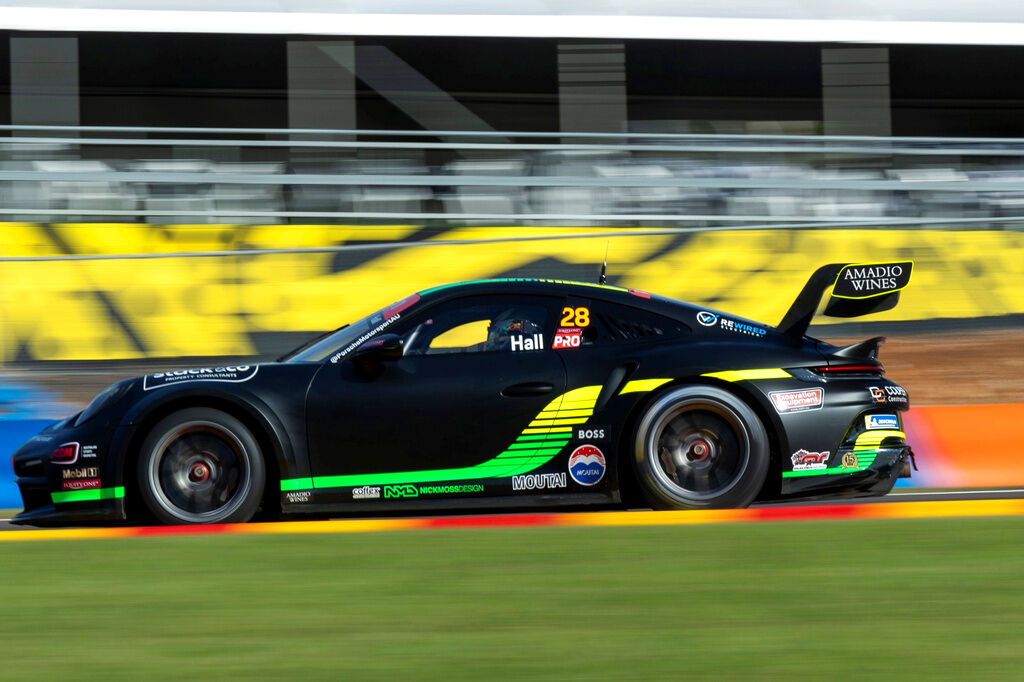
(535, 342)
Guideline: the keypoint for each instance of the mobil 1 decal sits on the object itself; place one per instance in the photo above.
(864, 280)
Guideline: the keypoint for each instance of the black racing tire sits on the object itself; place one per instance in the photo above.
(200, 466)
(700, 447)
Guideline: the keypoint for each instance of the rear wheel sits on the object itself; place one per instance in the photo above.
(201, 465)
(700, 447)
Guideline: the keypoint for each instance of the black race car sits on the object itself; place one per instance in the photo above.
(496, 393)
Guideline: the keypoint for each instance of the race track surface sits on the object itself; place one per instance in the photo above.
(910, 504)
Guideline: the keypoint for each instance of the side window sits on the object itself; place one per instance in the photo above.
(479, 325)
(617, 323)
(590, 322)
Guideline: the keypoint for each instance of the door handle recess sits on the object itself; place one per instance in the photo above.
(528, 389)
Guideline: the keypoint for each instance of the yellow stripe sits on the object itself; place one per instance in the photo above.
(565, 413)
(870, 438)
(557, 422)
(656, 518)
(550, 429)
(748, 374)
(348, 526)
(67, 534)
(643, 385)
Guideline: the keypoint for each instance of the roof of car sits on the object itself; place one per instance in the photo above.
(533, 280)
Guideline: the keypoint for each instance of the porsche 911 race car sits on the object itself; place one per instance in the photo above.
(495, 394)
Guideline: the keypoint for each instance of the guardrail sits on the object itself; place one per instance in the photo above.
(97, 174)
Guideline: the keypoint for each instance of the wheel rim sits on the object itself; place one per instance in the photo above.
(698, 449)
(200, 472)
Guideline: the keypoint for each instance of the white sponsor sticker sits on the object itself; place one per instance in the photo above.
(366, 492)
(233, 375)
(797, 401)
(881, 421)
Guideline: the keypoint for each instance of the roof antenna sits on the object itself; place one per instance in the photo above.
(604, 266)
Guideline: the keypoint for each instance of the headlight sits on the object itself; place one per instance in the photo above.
(105, 399)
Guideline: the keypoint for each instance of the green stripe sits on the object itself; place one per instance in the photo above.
(831, 471)
(296, 484)
(508, 463)
(534, 446)
(88, 495)
(526, 453)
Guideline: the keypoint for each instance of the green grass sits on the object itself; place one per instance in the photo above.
(859, 600)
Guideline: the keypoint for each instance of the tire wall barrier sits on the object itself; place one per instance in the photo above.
(141, 308)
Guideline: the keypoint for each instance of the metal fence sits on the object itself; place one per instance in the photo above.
(262, 176)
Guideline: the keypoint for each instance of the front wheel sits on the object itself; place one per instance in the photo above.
(700, 447)
(201, 465)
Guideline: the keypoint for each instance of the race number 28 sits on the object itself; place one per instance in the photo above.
(575, 317)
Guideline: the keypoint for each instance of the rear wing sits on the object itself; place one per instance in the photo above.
(856, 289)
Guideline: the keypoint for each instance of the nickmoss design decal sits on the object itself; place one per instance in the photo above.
(537, 445)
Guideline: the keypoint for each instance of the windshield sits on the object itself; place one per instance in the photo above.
(346, 339)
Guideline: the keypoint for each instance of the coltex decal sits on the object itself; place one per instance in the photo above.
(537, 445)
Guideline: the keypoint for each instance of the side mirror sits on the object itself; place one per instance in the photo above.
(383, 348)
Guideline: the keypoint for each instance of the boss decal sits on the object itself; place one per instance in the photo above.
(591, 433)
(234, 375)
(797, 401)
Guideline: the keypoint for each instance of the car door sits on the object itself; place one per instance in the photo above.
(475, 372)
(604, 344)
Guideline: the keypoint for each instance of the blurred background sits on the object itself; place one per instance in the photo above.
(183, 186)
